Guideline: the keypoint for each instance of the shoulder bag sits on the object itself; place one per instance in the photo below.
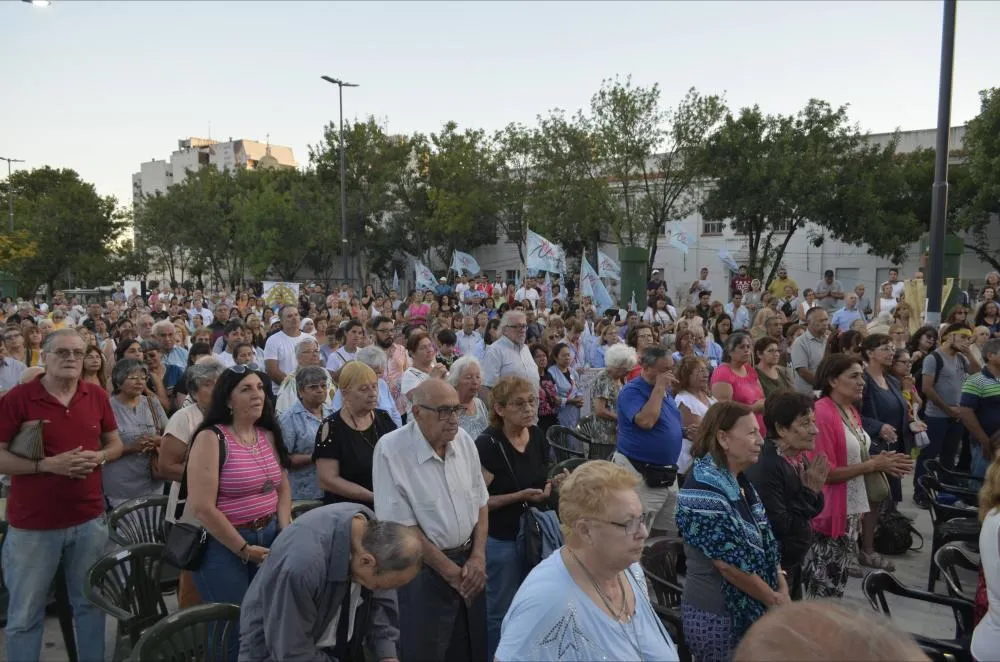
(529, 532)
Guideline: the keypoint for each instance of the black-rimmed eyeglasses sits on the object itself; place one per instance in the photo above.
(444, 413)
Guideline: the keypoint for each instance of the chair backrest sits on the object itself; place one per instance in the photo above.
(662, 562)
(126, 585)
(558, 438)
(200, 633)
(949, 560)
(587, 426)
(879, 583)
(941, 512)
(139, 520)
(950, 477)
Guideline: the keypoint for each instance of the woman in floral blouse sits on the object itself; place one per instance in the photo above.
(548, 395)
(619, 360)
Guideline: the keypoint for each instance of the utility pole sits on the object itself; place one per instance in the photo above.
(939, 196)
(343, 168)
(10, 193)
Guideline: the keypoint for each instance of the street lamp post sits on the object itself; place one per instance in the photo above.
(343, 167)
(10, 193)
(939, 194)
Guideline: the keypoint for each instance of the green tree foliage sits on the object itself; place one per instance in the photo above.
(982, 140)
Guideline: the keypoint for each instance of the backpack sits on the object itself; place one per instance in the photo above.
(894, 533)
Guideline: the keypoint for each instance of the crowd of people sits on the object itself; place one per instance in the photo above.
(769, 433)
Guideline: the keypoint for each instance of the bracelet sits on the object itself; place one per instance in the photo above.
(243, 557)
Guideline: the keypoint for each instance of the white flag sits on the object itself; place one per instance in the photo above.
(464, 263)
(543, 255)
(608, 268)
(425, 277)
(591, 286)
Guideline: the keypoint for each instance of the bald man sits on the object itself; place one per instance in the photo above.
(825, 631)
(427, 476)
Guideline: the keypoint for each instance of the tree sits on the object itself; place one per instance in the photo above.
(15, 249)
(513, 184)
(71, 225)
(982, 140)
(161, 230)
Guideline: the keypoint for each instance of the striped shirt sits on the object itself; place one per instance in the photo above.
(981, 394)
(249, 480)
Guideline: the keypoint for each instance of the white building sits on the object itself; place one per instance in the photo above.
(158, 175)
(805, 261)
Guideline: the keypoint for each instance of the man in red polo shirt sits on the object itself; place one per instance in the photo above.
(56, 505)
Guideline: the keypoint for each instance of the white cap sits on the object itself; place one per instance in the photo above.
(443, 279)
(656, 271)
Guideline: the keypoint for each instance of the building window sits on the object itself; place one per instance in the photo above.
(783, 227)
(511, 275)
(712, 227)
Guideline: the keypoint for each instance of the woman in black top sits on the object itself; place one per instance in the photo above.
(346, 440)
(790, 487)
(512, 442)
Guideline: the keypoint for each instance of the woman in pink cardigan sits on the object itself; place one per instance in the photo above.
(842, 439)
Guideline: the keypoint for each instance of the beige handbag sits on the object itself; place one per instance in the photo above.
(28, 442)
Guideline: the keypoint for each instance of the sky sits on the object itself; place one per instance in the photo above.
(101, 87)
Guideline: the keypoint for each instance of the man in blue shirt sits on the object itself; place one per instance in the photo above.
(649, 435)
(843, 318)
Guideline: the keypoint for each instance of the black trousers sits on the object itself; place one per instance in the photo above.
(435, 623)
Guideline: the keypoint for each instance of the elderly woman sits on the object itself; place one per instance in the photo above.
(592, 592)
(422, 363)
(789, 485)
(733, 563)
(346, 439)
(299, 425)
(770, 373)
(466, 376)
(736, 379)
(619, 362)
(548, 396)
(237, 487)
(376, 359)
(306, 354)
(693, 401)
(514, 457)
(140, 420)
(565, 377)
(842, 439)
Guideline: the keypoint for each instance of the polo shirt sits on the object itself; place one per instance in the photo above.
(981, 394)
(661, 444)
(47, 501)
(807, 351)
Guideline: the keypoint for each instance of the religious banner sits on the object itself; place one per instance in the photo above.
(681, 240)
(278, 293)
(591, 286)
(463, 263)
(543, 255)
(608, 268)
(424, 276)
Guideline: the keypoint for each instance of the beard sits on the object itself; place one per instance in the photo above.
(384, 344)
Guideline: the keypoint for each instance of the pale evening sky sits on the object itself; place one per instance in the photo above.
(102, 86)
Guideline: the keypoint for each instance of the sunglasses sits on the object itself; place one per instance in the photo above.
(243, 369)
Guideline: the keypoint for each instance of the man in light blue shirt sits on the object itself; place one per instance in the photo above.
(165, 333)
(470, 343)
(738, 312)
(843, 318)
(10, 371)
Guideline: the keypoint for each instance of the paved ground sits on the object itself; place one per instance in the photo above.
(911, 569)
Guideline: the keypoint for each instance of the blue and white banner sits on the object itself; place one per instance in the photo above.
(608, 268)
(591, 286)
(633, 305)
(681, 240)
(425, 277)
(728, 261)
(547, 289)
(543, 255)
(395, 280)
(464, 263)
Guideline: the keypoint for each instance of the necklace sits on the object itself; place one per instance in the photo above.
(365, 433)
(633, 640)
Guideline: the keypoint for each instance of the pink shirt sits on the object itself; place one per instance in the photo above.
(397, 363)
(249, 480)
(746, 390)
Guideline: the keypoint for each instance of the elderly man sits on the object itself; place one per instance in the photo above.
(808, 350)
(143, 327)
(829, 292)
(509, 355)
(56, 504)
(10, 370)
(374, 358)
(649, 437)
(843, 318)
(279, 350)
(470, 343)
(427, 476)
(705, 347)
(864, 303)
(165, 333)
(328, 587)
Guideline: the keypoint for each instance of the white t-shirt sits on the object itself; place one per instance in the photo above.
(339, 359)
(412, 378)
(986, 636)
(529, 293)
(281, 347)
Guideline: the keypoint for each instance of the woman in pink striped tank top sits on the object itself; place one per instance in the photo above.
(237, 486)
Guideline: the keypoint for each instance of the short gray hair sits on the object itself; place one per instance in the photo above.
(50, 340)
(202, 372)
(373, 357)
(505, 321)
(299, 348)
(312, 374)
(164, 325)
(394, 546)
(123, 369)
(459, 367)
(991, 347)
(620, 356)
(651, 355)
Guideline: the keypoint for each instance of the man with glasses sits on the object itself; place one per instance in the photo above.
(509, 354)
(56, 504)
(165, 334)
(649, 437)
(397, 360)
(427, 476)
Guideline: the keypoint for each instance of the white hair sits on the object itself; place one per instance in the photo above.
(301, 347)
(459, 367)
(507, 318)
(620, 356)
(164, 325)
(373, 357)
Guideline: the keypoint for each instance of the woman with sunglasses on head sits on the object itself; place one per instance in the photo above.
(238, 487)
(736, 379)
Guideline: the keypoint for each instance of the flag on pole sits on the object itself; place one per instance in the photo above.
(591, 286)
(633, 305)
(425, 277)
(395, 280)
(543, 255)
(681, 240)
(517, 280)
(547, 287)
(608, 268)
(727, 260)
(464, 263)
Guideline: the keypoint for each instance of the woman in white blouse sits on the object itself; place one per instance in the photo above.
(885, 303)
(693, 400)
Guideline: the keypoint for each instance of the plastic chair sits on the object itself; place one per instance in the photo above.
(126, 586)
(949, 559)
(558, 438)
(300, 508)
(964, 486)
(200, 633)
(879, 583)
(595, 451)
(143, 520)
(951, 524)
(663, 564)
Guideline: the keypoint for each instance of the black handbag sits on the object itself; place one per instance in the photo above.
(894, 533)
(529, 531)
(184, 545)
(656, 475)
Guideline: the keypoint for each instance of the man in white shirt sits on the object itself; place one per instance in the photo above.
(528, 291)
(198, 308)
(897, 285)
(427, 475)
(354, 335)
(509, 354)
(738, 312)
(279, 350)
(461, 287)
(470, 343)
(703, 284)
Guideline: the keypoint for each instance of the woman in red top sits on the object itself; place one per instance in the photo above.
(736, 380)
